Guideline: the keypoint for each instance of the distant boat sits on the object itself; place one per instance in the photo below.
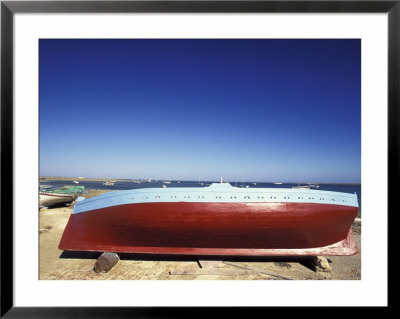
(163, 186)
(109, 183)
(278, 183)
(301, 187)
(216, 220)
(308, 186)
(167, 182)
(76, 182)
(60, 195)
(44, 186)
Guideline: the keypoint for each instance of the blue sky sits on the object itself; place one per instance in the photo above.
(247, 110)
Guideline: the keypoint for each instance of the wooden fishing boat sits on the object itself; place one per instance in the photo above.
(216, 220)
(66, 194)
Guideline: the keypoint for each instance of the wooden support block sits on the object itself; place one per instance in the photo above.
(105, 262)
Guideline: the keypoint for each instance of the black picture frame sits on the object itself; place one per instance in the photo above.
(9, 8)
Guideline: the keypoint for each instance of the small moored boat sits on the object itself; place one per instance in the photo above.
(301, 187)
(43, 186)
(66, 194)
(308, 186)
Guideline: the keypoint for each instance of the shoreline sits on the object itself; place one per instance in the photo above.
(42, 179)
(96, 179)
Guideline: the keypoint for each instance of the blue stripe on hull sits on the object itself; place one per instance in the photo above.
(216, 193)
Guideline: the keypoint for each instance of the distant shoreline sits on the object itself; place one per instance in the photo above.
(52, 178)
(45, 178)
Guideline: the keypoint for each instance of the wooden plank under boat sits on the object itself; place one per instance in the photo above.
(216, 220)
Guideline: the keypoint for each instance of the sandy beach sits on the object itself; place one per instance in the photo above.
(58, 265)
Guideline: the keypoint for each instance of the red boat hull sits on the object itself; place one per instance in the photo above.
(214, 229)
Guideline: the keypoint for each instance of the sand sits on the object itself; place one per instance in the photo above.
(58, 265)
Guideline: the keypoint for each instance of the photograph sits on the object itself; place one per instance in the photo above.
(199, 159)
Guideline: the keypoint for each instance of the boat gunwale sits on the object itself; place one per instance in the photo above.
(106, 200)
(58, 194)
(154, 190)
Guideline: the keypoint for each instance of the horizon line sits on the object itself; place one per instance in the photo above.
(188, 180)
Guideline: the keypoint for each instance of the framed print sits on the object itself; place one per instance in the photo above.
(108, 103)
